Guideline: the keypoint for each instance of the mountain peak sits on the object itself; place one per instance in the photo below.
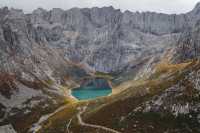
(197, 5)
(196, 9)
(39, 11)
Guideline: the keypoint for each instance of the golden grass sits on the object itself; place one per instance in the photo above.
(103, 75)
(62, 116)
(59, 117)
(129, 88)
(128, 84)
(49, 82)
(164, 67)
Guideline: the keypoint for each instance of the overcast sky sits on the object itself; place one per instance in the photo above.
(164, 6)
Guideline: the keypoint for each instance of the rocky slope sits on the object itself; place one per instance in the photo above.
(32, 74)
(188, 44)
(45, 53)
(167, 103)
(162, 97)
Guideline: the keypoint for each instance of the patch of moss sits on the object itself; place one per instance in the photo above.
(103, 75)
(49, 82)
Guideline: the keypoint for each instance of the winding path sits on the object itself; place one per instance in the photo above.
(37, 126)
(92, 125)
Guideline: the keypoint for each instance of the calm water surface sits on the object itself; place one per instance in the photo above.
(84, 93)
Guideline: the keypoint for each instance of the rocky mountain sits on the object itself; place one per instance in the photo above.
(44, 54)
(188, 44)
(32, 74)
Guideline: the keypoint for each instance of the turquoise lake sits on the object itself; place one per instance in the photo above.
(84, 93)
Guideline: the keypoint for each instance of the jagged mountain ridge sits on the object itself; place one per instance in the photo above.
(166, 101)
(105, 28)
(82, 35)
(45, 49)
(32, 73)
(188, 44)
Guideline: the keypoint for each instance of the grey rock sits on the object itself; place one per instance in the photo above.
(189, 44)
(55, 45)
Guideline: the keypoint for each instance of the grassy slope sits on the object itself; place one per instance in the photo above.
(107, 111)
(135, 95)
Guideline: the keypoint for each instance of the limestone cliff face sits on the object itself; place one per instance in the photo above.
(107, 39)
(60, 47)
(104, 39)
(31, 72)
(189, 44)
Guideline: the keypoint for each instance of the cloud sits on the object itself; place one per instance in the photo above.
(164, 6)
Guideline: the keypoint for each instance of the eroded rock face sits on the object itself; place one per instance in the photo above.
(189, 44)
(104, 38)
(96, 83)
(31, 72)
(57, 47)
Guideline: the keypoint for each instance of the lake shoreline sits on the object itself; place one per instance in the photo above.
(89, 92)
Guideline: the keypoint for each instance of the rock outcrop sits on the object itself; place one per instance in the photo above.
(188, 45)
(43, 51)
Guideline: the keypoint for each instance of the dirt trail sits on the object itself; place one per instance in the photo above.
(82, 123)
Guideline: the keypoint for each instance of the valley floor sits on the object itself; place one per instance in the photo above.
(133, 109)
